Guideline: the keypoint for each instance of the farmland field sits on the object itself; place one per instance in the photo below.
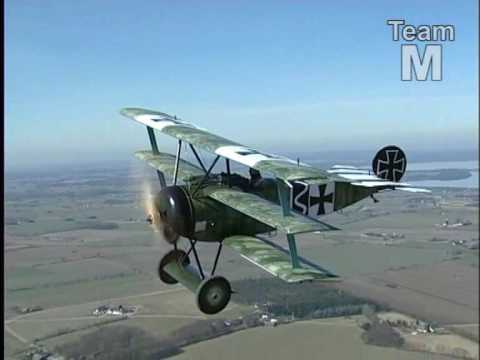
(75, 242)
(317, 338)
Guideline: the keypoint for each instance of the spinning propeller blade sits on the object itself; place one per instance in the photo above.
(152, 214)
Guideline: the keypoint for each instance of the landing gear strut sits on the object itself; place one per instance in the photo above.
(212, 292)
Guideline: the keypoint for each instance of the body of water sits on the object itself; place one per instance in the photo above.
(470, 182)
(470, 164)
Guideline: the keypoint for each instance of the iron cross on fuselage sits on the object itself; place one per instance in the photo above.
(321, 199)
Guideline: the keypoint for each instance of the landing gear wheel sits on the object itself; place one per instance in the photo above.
(213, 295)
(174, 255)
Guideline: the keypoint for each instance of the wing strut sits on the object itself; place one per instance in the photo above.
(227, 164)
(153, 143)
(198, 158)
(177, 162)
(207, 174)
(284, 196)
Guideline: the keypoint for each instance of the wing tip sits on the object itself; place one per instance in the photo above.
(131, 112)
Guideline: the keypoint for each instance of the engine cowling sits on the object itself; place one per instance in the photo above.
(175, 208)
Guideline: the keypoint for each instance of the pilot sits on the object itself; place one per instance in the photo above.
(255, 177)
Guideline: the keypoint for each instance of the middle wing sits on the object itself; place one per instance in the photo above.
(278, 166)
(166, 163)
(268, 213)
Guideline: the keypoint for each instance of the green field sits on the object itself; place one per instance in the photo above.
(317, 339)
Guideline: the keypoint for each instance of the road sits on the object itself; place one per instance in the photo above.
(25, 317)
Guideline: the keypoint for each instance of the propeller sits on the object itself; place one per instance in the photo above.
(153, 216)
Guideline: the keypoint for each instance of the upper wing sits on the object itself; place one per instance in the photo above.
(366, 178)
(166, 163)
(278, 166)
(276, 260)
(268, 212)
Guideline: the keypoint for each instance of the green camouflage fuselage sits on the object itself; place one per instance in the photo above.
(215, 221)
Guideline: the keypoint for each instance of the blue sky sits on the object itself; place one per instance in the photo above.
(292, 75)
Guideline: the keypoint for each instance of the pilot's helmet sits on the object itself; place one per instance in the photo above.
(254, 173)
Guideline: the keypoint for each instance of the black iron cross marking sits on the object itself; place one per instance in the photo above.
(320, 200)
(169, 118)
(253, 152)
(392, 167)
(247, 152)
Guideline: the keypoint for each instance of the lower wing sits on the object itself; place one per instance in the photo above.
(268, 255)
(275, 260)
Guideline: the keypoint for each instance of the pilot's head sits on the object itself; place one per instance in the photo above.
(254, 174)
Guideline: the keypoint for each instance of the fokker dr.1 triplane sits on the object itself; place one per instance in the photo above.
(233, 210)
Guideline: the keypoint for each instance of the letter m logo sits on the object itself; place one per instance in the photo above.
(431, 61)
